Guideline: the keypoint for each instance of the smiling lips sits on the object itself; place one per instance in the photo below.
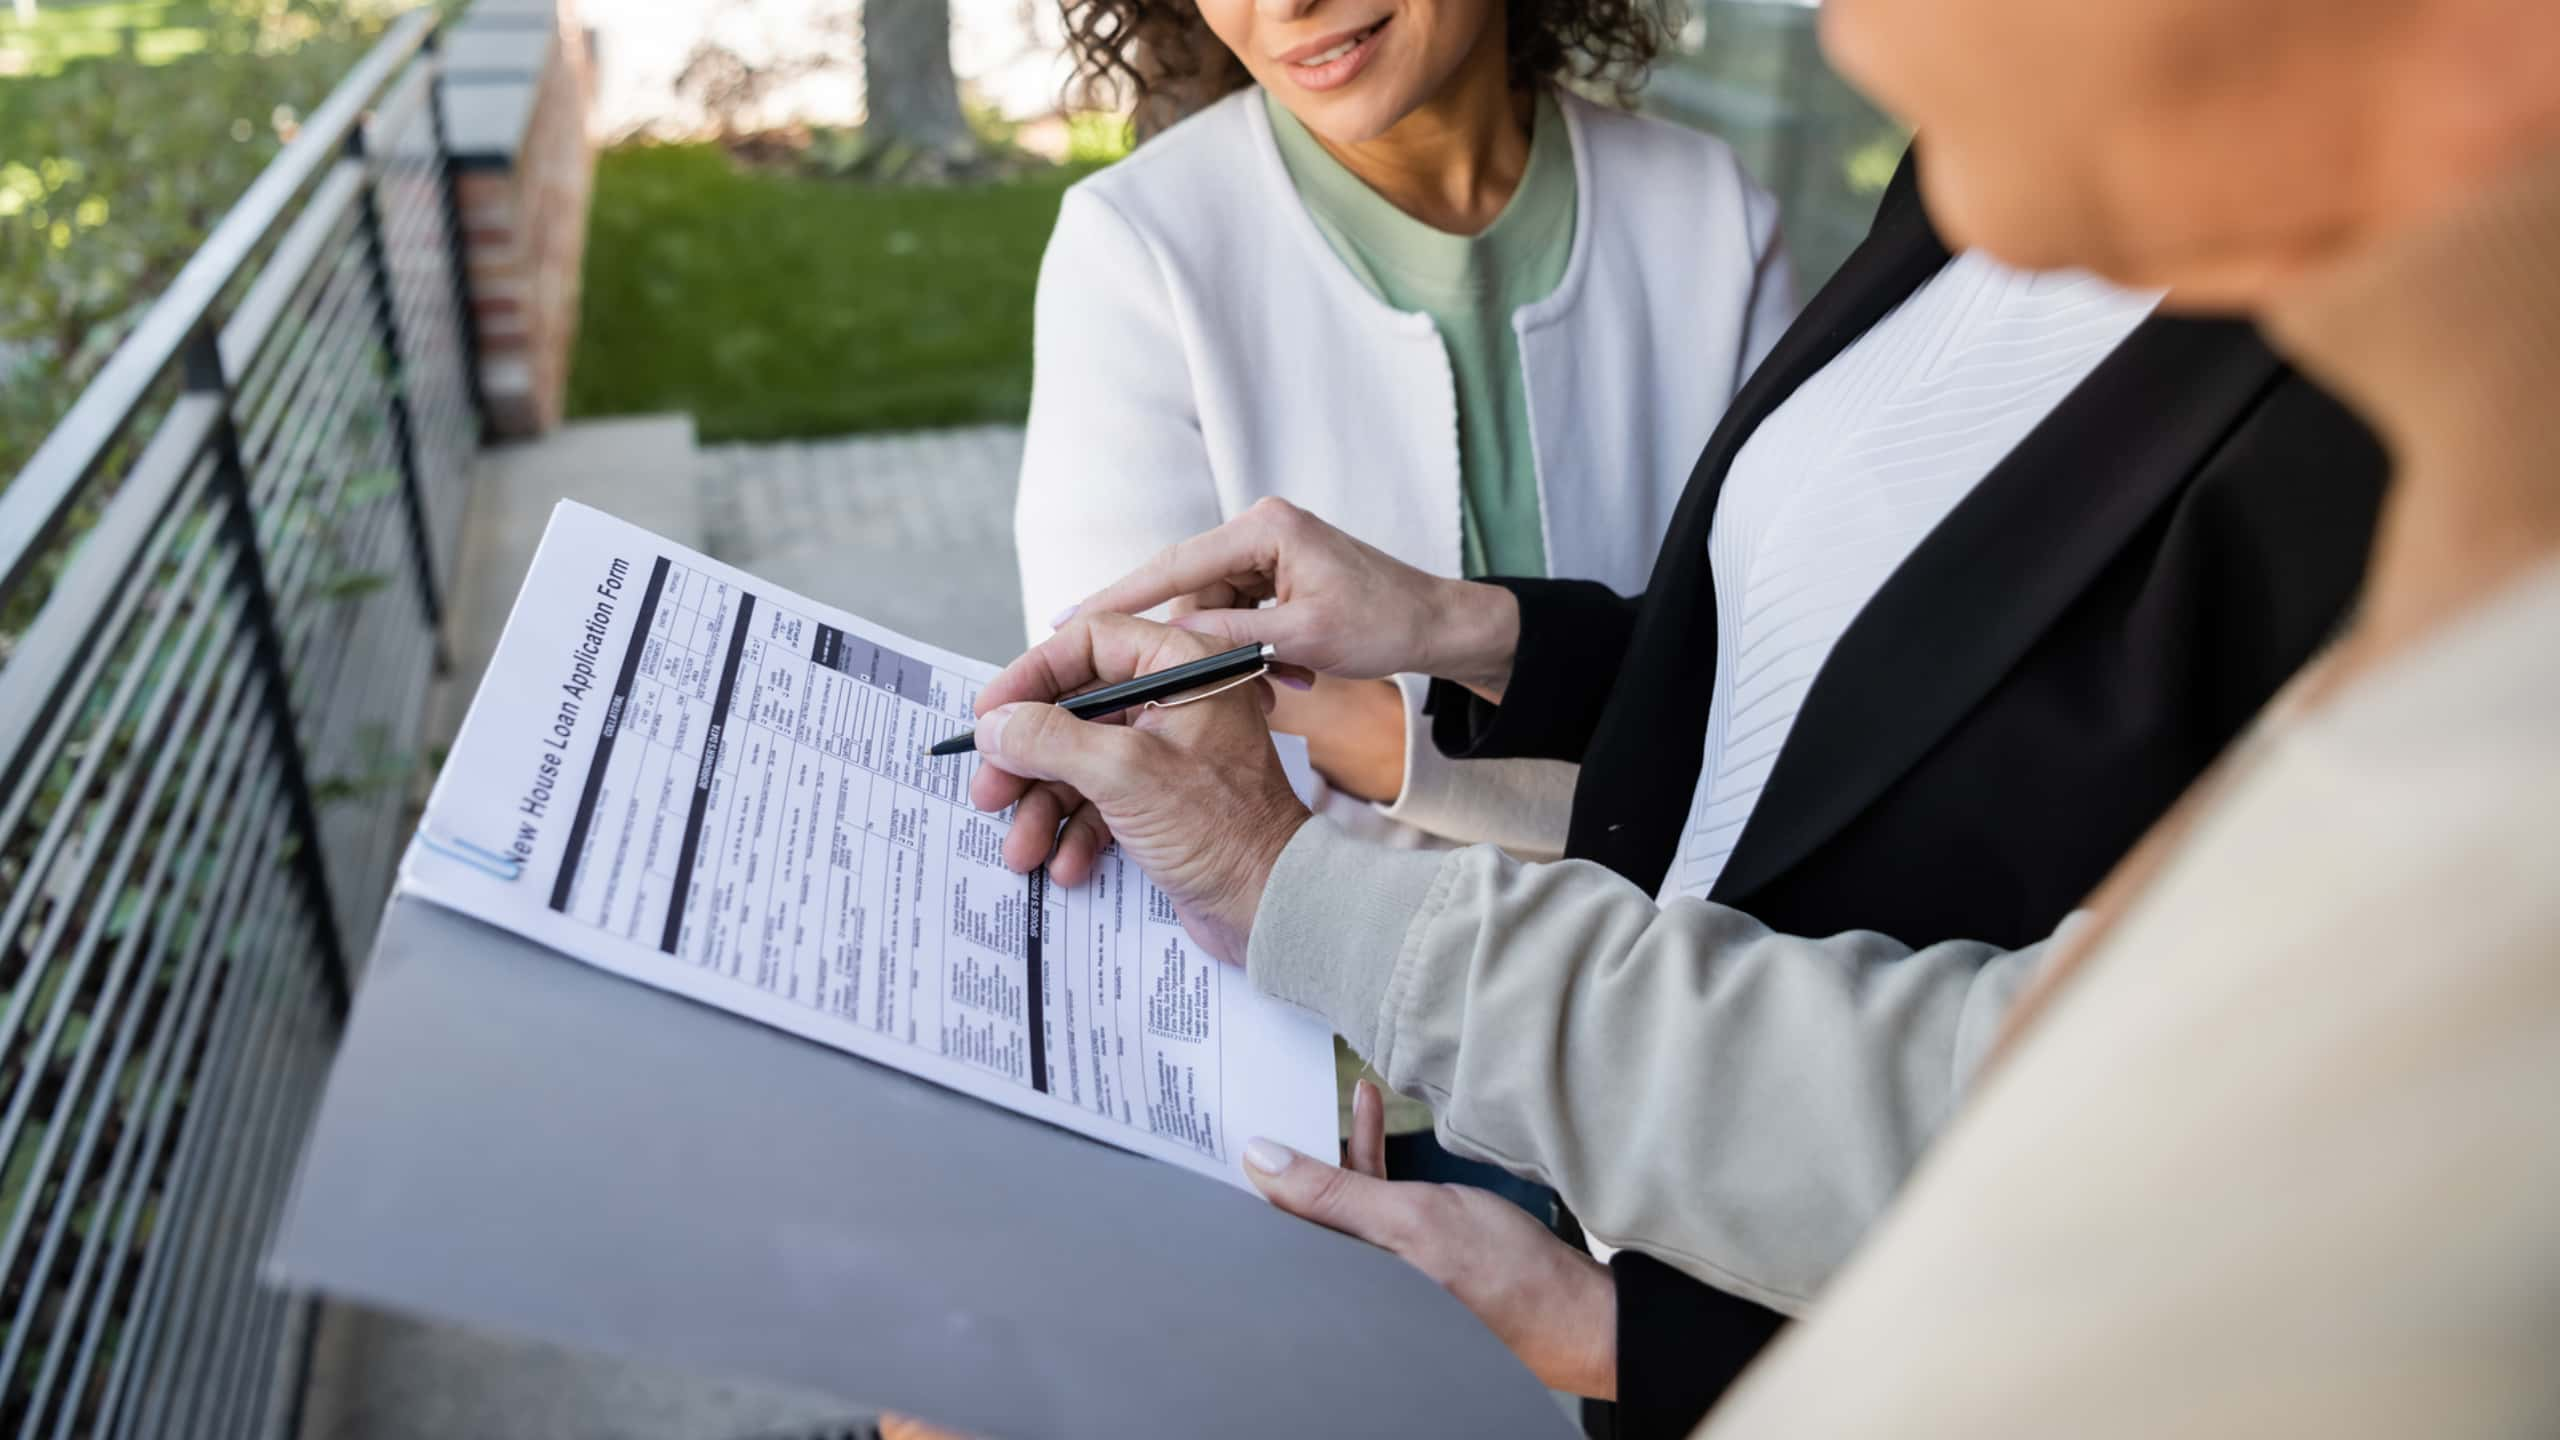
(1331, 62)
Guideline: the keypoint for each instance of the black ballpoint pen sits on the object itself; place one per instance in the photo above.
(1241, 663)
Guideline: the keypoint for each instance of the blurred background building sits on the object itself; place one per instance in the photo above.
(309, 312)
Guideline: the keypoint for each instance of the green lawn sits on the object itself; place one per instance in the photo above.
(772, 306)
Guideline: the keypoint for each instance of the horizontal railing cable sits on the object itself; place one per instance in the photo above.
(277, 286)
(220, 584)
(138, 1364)
(240, 886)
(188, 974)
(131, 960)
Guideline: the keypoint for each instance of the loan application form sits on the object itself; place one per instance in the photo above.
(689, 778)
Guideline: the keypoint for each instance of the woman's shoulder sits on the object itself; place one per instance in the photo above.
(1635, 147)
(1187, 177)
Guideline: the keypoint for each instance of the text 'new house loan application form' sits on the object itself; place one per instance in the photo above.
(719, 789)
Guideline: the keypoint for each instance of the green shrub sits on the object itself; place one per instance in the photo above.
(128, 130)
(1098, 137)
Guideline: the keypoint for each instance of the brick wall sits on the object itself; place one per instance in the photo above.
(518, 93)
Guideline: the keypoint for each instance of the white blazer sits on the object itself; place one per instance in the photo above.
(1199, 345)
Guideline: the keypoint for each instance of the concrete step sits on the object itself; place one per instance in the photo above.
(913, 531)
(643, 470)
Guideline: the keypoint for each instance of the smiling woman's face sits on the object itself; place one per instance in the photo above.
(1351, 69)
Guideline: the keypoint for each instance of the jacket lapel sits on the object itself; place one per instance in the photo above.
(1898, 256)
(1995, 575)
(1635, 829)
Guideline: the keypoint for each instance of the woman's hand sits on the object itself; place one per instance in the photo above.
(1354, 731)
(1339, 606)
(1193, 792)
(1555, 1307)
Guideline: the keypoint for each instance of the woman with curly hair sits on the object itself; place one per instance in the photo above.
(1375, 258)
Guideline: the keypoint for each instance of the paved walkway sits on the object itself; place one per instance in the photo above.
(914, 531)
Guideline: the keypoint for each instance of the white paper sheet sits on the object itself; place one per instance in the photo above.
(694, 780)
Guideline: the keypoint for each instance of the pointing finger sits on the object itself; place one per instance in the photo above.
(1246, 545)
(1231, 628)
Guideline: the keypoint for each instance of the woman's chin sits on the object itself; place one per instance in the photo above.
(1355, 115)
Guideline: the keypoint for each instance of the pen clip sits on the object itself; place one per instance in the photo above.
(463, 852)
(1213, 690)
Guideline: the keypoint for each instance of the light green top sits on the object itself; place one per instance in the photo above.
(1469, 285)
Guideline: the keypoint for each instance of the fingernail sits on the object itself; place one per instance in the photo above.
(1268, 1156)
(1063, 616)
(1282, 677)
(991, 728)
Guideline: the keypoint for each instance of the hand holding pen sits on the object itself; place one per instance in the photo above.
(1179, 685)
(1191, 792)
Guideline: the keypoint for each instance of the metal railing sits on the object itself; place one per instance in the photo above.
(220, 587)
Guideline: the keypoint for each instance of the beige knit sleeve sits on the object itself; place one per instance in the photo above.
(1738, 1103)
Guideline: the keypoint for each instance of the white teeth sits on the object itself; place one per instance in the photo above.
(1336, 53)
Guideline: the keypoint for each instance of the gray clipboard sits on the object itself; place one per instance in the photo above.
(515, 1141)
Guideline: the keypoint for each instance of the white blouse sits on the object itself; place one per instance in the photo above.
(1842, 482)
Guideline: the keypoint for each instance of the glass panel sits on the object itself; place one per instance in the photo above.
(1752, 72)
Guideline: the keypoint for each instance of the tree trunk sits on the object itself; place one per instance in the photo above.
(911, 99)
(26, 12)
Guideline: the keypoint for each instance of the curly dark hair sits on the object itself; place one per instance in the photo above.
(1159, 57)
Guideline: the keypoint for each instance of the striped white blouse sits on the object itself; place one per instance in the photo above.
(1841, 483)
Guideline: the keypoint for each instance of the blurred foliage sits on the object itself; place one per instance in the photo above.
(126, 130)
(772, 304)
(732, 87)
(1098, 137)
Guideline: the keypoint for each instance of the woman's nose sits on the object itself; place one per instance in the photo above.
(1284, 10)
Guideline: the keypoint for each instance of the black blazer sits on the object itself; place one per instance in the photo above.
(2069, 649)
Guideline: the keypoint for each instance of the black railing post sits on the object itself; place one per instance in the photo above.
(404, 435)
(457, 235)
(204, 375)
